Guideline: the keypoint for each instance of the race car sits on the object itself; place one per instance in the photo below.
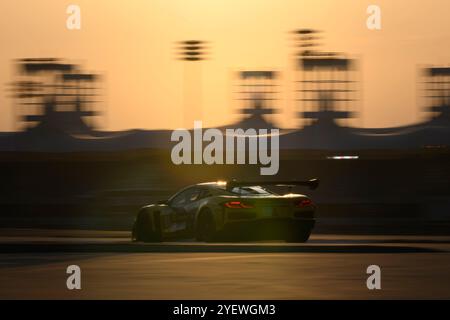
(233, 210)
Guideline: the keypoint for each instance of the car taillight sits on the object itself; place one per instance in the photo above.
(237, 205)
(304, 203)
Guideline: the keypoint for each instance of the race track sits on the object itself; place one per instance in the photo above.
(33, 266)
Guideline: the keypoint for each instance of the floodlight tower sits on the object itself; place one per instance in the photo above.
(192, 52)
(257, 91)
(437, 89)
(307, 41)
(328, 79)
(36, 87)
(81, 94)
(53, 96)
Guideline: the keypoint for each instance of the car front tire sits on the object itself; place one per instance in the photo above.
(144, 230)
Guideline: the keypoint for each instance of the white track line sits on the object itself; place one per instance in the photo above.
(225, 257)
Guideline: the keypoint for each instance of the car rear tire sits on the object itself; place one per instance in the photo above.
(144, 230)
(299, 236)
(206, 228)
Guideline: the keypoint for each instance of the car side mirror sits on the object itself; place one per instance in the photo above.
(163, 202)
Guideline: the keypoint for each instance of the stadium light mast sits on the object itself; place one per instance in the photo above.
(54, 95)
(257, 92)
(192, 52)
(437, 93)
(327, 87)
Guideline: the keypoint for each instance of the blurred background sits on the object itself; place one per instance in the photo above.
(87, 114)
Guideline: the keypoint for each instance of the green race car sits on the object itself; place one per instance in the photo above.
(225, 211)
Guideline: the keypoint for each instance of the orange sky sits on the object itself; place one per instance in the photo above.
(132, 44)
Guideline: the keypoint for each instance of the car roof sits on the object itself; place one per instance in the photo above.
(208, 183)
(211, 185)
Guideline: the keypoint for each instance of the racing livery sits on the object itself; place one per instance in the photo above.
(221, 211)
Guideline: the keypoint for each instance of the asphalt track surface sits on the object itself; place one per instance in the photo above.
(33, 266)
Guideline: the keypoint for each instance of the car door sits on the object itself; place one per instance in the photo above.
(178, 212)
(184, 207)
(192, 205)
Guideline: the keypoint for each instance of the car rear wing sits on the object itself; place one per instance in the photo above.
(312, 183)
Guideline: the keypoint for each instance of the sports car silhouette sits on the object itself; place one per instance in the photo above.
(234, 210)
